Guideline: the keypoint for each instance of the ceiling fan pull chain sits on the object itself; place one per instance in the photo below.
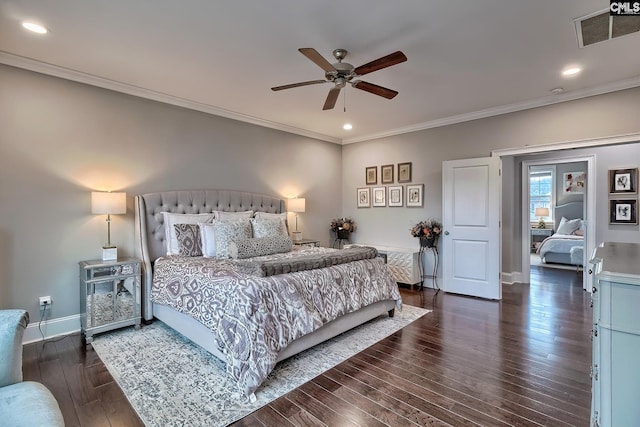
(345, 100)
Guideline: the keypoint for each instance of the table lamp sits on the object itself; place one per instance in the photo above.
(542, 213)
(110, 204)
(296, 205)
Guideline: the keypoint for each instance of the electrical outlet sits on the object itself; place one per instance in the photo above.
(44, 301)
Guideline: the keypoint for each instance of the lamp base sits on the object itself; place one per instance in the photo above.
(296, 236)
(109, 253)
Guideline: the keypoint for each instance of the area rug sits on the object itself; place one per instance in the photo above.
(170, 381)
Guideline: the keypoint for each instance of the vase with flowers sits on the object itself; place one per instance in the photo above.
(343, 227)
(428, 232)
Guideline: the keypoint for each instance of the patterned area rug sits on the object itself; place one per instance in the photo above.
(170, 381)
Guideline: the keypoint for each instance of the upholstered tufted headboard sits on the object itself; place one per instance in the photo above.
(570, 210)
(149, 227)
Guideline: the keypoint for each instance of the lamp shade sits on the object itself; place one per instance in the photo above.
(108, 203)
(296, 205)
(542, 211)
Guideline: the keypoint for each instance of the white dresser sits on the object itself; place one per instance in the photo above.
(615, 275)
(403, 262)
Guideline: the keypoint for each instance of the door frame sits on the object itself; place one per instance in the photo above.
(568, 145)
(589, 209)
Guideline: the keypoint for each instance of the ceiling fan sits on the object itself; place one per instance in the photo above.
(341, 73)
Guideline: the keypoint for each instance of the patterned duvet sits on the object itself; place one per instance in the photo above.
(253, 318)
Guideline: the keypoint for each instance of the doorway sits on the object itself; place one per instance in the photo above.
(566, 196)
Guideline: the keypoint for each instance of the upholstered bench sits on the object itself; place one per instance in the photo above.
(22, 403)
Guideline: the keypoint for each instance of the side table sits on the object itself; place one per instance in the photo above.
(109, 295)
(538, 235)
(306, 242)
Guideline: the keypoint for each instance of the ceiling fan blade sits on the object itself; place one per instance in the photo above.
(292, 85)
(380, 63)
(374, 89)
(332, 97)
(313, 55)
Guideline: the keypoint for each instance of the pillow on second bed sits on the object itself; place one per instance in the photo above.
(568, 226)
(248, 248)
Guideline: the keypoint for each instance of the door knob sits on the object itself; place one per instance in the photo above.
(446, 233)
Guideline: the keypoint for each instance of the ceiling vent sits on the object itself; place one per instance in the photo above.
(600, 26)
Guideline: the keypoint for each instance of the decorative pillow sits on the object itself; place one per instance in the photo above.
(208, 239)
(170, 219)
(189, 243)
(568, 226)
(578, 232)
(228, 231)
(248, 248)
(280, 216)
(270, 227)
(231, 216)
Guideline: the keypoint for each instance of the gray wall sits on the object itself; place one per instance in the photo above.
(59, 140)
(594, 117)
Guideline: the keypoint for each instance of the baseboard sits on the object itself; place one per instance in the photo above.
(51, 328)
(513, 277)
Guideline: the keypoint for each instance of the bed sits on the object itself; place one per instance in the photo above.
(566, 245)
(227, 308)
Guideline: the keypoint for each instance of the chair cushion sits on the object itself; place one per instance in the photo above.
(29, 404)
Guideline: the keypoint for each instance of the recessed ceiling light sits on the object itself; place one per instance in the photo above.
(557, 90)
(571, 71)
(347, 126)
(36, 28)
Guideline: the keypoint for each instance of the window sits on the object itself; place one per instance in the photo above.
(541, 185)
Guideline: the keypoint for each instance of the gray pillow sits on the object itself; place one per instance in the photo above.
(268, 227)
(248, 248)
(226, 232)
(189, 242)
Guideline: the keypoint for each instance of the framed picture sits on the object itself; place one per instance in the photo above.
(623, 181)
(386, 174)
(623, 211)
(573, 182)
(415, 195)
(404, 172)
(364, 200)
(379, 196)
(371, 173)
(395, 195)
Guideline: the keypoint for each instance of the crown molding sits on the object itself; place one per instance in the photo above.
(101, 82)
(92, 80)
(496, 111)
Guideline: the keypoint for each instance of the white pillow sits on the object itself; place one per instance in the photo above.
(208, 239)
(281, 216)
(568, 226)
(227, 216)
(170, 219)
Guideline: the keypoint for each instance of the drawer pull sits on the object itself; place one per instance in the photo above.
(594, 290)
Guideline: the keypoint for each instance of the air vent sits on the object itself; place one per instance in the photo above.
(600, 26)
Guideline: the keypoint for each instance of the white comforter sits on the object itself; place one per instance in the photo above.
(560, 243)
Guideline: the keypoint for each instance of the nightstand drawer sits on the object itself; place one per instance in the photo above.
(541, 232)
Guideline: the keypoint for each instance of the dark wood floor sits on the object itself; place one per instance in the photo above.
(521, 361)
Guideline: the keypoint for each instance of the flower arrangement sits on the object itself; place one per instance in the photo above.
(345, 223)
(428, 231)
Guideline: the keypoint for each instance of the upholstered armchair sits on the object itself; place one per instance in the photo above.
(22, 403)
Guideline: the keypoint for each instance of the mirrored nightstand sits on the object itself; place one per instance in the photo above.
(109, 295)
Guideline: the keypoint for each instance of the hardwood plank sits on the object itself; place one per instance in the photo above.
(520, 361)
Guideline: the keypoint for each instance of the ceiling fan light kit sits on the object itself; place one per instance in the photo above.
(343, 73)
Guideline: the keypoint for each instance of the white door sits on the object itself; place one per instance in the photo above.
(471, 221)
